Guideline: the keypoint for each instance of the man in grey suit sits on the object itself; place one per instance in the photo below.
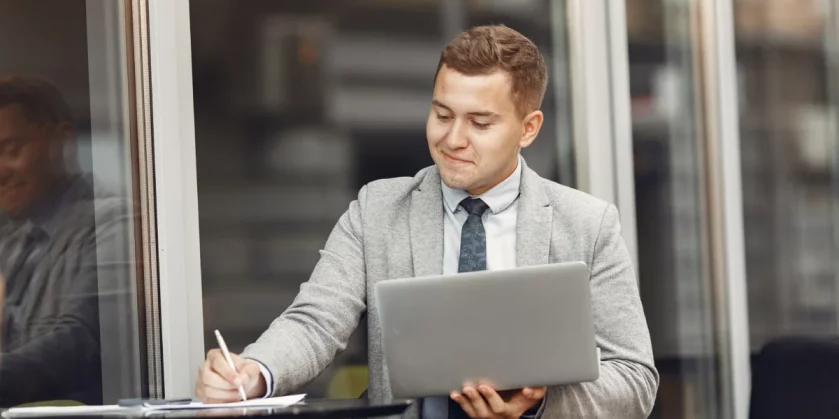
(59, 245)
(478, 207)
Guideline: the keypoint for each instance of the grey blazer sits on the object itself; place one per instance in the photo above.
(54, 315)
(395, 229)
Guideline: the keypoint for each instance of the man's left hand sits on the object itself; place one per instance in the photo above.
(483, 402)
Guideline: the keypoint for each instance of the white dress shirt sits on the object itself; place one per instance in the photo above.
(499, 223)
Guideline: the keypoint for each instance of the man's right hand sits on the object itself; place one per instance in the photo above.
(218, 383)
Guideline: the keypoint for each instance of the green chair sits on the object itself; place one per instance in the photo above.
(349, 381)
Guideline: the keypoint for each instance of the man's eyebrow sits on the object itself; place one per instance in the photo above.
(483, 113)
(9, 139)
(436, 102)
(489, 114)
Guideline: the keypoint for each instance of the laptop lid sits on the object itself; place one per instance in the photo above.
(529, 326)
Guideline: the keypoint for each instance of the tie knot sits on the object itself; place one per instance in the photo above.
(474, 206)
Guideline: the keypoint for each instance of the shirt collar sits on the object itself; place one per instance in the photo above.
(498, 198)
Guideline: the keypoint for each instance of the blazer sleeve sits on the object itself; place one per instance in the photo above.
(302, 342)
(628, 378)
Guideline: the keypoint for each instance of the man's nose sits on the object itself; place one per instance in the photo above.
(456, 137)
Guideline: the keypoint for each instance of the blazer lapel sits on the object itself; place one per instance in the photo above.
(533, 227)
(426, 221)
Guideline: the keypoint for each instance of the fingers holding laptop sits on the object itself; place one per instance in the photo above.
(218, 383)
(485, 402)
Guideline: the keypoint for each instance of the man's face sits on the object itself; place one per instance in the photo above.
(474, 132)
(24, 161)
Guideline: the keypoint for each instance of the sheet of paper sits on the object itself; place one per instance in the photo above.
(21, 412)
(18, 412)
(284, 401)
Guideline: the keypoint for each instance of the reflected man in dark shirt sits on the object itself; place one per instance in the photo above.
(50, 227)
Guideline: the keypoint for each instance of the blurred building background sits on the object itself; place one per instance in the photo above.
(297, 104)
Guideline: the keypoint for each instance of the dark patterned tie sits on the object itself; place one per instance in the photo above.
(14, 251)
(473, 238)
(473, 257)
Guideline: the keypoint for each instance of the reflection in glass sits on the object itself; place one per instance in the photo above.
(54, 231)
(69, 329)
(298, 104)
(50, 325)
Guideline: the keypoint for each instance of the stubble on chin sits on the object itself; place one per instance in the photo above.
(455, 180)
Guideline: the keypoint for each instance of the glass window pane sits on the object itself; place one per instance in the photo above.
(299, 104)
(69, 327)
(671, 208)
(789, 124)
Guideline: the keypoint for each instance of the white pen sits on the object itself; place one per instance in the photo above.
(226, 354)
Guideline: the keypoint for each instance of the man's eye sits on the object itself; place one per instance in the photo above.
(480, 125)
(443, 117)
(11, 149)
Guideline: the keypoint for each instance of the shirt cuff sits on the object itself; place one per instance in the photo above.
(269, 379)
(533, 412)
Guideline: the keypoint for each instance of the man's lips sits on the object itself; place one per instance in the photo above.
(10, 189)
(455, 159)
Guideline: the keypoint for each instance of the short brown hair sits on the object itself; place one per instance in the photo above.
(40, 100)
(486, 49)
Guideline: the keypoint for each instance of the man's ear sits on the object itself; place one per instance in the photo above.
(64, 131)
(532, 124)
(63, 148)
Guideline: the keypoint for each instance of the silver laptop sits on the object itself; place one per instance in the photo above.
(529, 326)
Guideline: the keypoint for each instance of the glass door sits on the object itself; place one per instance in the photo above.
(787, 56)
(673, 208)
(788, 60)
